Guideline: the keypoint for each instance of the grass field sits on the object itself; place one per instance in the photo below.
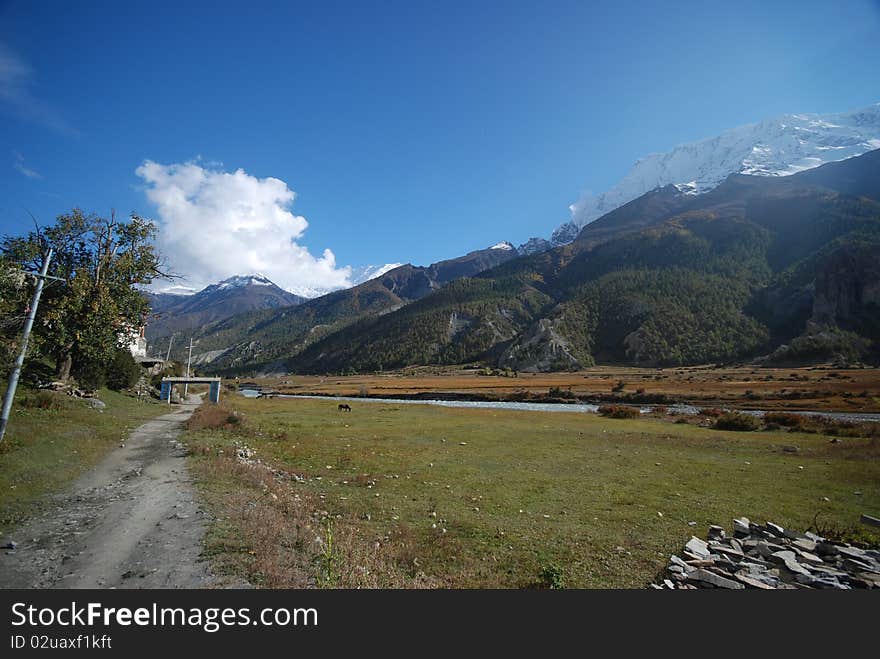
(46, 448)
(415, 495)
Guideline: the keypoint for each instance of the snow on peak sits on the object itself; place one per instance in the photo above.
(239, 281)
(780, 146)
(506, 246)
(367, 272)
(171, 289)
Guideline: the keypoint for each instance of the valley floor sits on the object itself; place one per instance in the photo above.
(303, 494)
(744, 387)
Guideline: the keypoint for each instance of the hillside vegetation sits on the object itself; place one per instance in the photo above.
(784, 268)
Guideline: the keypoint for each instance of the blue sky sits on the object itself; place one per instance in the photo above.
(409, 131)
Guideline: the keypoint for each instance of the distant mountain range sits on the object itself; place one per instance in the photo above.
(183, 314)
(247, 318)
(728, 248)
(785, 267)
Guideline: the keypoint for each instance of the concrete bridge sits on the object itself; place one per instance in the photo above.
(169, 382)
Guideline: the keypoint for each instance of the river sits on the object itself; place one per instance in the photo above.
(558, 407)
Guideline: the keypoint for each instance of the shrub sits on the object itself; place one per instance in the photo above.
(559, 392)
(123, 372)
(552, 577)
(210, 415)
(90, 375)
(618, 411)
(784, 419)
(711, 411)
(737, 421)
(43, 400)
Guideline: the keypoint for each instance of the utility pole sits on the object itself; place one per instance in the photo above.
(19, 361)
(188, 362)
(170, 341)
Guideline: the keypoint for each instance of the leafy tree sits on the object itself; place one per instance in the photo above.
(123, 372)
(100, 261)
(14, 291)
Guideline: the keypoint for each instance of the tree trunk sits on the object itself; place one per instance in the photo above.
(62, 366)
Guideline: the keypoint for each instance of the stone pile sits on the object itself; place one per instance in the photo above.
(770, 557)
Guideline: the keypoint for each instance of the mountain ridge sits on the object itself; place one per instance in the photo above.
(669, 278)
(779, 146)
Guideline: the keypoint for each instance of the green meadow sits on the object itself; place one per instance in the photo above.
(421, 496)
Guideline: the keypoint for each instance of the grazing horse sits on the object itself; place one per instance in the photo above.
(344, 407)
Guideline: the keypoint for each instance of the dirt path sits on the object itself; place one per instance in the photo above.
(131, 522)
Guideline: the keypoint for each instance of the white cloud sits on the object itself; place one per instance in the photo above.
(19, 166)
(216, 224)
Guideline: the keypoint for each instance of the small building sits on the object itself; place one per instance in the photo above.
(136, 341)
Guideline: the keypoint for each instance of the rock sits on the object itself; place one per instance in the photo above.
(698, 547)
(853, 565)
(804, 544)
(782, 556)
(770, 557)
(795, 568)
(751, 582)
(826, 549)
(792, 535)
(96, 403)
(767, 549)
(741, 526)
(715, 533)
(729, 551)
(808, 557)
(816, 582)
(705, 577)
(776, 530)
(823, 569)
(12, 544)
(871, 578)
(852, 552)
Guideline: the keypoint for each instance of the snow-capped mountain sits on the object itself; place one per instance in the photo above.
(534, 246)
(240, 281)
(238, 294)
(774, 147)
(364, 273)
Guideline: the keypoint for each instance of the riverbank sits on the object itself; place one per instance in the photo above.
(820, 389)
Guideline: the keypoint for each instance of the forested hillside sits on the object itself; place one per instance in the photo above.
(667, 279)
